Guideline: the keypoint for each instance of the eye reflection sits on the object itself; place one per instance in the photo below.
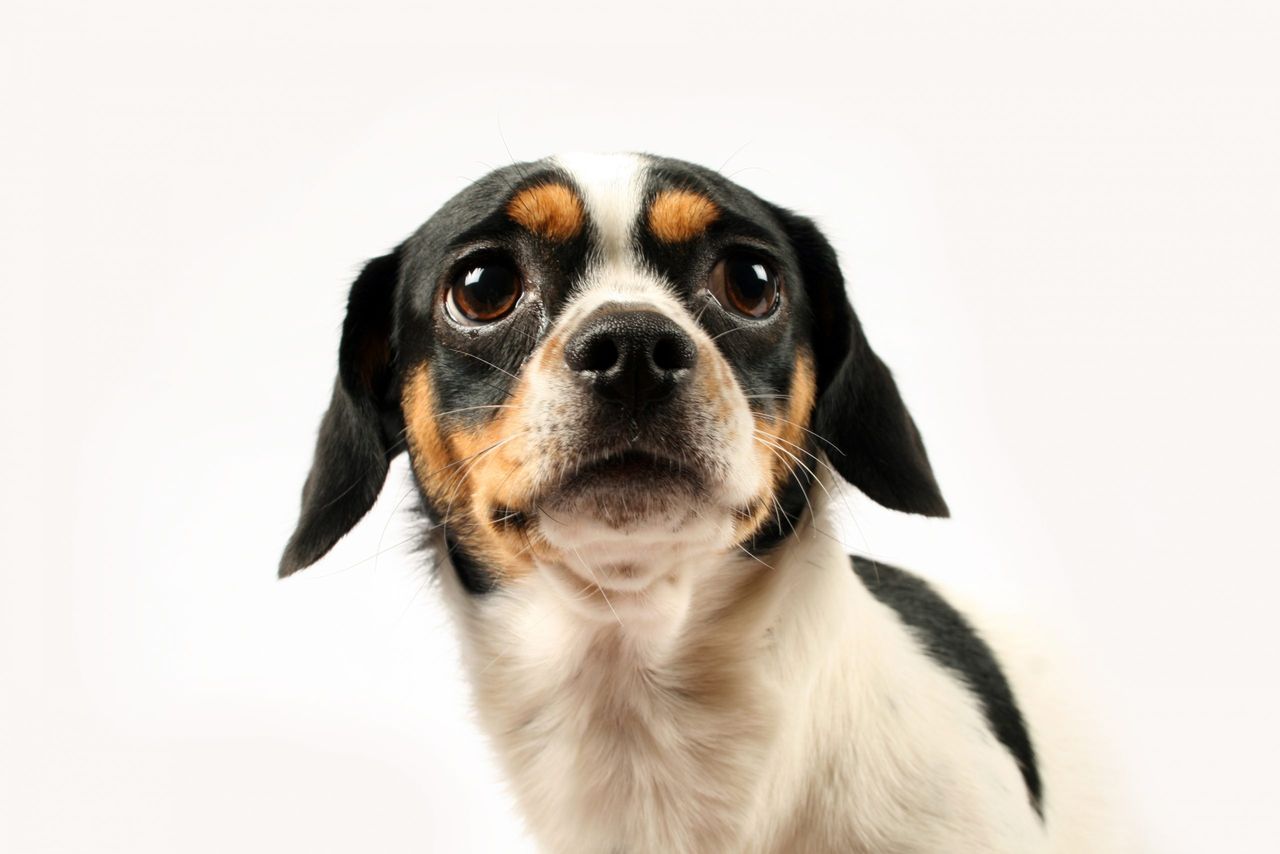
(484, 293)
(744, 284)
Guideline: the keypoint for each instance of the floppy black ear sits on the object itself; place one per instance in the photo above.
(859, 409)
(359, 434)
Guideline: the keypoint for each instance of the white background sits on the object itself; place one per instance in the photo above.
(1061, 226)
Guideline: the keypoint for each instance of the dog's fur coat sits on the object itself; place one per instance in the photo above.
(625, 449)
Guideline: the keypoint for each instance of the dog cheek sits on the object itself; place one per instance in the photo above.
(463, 473)
(749, 520)
(490, 513)
(803, 397)
(786, 432)
(788, 429)
(429, 452)
(536, 431)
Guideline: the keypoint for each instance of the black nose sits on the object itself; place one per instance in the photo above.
(631, 357)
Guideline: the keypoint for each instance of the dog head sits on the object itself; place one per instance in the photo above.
(597, 358)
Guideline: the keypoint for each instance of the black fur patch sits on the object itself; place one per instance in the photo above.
(396, 323)
(475, 579)
(954, 644)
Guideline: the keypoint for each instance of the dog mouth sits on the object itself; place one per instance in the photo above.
(630, 482)
(631, 470)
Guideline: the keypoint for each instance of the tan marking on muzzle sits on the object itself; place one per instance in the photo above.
(468, 473)
(713, 379)
(677, 216)
(551, 210)
(550, 353)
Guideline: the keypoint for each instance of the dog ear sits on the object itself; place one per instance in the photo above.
(360, 433)
(859, 410)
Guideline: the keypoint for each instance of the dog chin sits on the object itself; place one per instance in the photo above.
(635, 533)
(640, 577)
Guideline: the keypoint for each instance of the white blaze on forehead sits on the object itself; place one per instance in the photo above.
(720, 423)
(612, 187)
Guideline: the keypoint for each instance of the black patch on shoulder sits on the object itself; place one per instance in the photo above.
(954, 644)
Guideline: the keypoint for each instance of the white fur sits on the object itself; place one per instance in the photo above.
(703, 701)
(611, 186)
(832, 731)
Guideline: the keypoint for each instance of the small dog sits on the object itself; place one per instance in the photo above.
(627, 386)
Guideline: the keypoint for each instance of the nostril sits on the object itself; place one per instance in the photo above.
(600, 355)
(672, 353)
(631, 357)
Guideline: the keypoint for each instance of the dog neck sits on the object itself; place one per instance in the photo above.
(649, 719)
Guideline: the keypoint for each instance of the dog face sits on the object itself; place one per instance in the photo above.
(592, 360)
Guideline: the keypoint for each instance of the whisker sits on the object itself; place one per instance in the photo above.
(599, 587)
(360, 477)
(738, 546)
(709, 301)
(743, 549)
(774, 436)
(736, 152)
(820, 438)
(791, 471)
(510, 156)
(472, 456)
(387, 524)
(800, 463)
(817, 459)
(461, 478)
(423, 586)
(720, 335)
(782, 513)
(480, 359)
(471, 408)
(373, 556)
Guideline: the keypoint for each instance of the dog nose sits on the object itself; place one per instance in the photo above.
(631, 356)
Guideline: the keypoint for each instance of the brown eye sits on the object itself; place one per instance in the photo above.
(744, 284)
(484, 293)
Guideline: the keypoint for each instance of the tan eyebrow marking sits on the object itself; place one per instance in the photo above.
(551, 210)
(680, 215)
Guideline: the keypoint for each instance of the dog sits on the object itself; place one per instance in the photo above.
(627, 387)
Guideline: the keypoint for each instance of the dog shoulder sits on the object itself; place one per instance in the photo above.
(951, 641)
(1034, 703)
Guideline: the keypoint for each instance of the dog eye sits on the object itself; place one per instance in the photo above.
(484, 293)
(744, 284)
